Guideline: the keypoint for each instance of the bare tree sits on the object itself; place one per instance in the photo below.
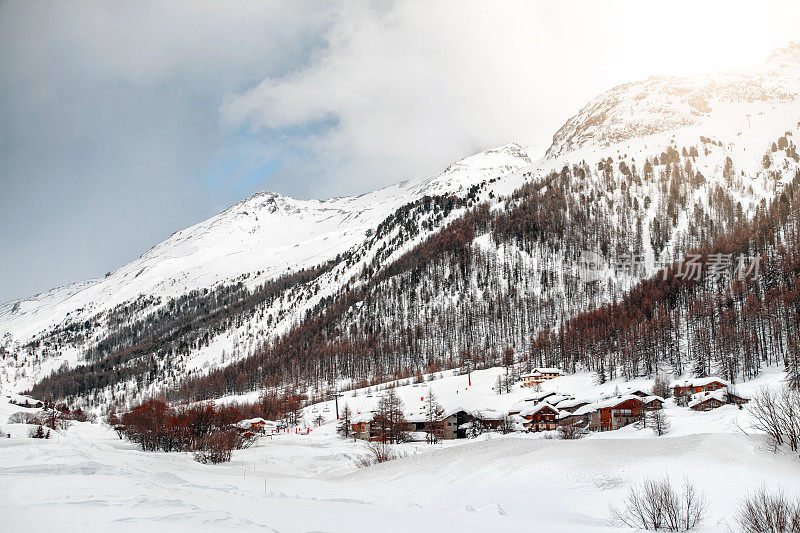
(506, 425)
(657, 421)
(345, 422)
(766, 512)
(571, 431)
(661, 385)
(391, 423)
(377, 452)
(776, 412)
(434, 418)
(657, 505)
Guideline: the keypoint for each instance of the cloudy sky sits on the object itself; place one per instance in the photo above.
(122, 122)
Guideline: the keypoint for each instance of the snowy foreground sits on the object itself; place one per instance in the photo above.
(86, 479)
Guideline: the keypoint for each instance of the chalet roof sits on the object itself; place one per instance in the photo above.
(701, 398)
(363, 417)
(698, 382)
(536, 398)
(571, 402)
(652, 397)
(421, 416)
(490, 414)
(516, 407)
(556, 398)
(548, 370)
(635, 390)
(246, 424)
(536, 408)
(539, 396)
(611, 402)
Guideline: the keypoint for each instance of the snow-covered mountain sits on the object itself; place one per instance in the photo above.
(743, 108)
(730, 121)
(254, 241)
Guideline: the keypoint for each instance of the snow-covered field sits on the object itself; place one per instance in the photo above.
(86, 479)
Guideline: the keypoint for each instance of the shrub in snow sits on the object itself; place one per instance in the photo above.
(22, 417)
(776, 412)
(377, 452)
(217, 447)
(655, 505)
(769, 512)
(38, 432)
(571, 432)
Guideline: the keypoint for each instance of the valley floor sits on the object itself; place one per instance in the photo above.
(86, 479)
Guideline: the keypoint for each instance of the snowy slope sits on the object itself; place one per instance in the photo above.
(747, 108)
(86, 479)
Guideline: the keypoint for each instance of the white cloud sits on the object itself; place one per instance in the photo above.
(416, 85)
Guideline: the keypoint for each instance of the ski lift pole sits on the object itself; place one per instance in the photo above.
(336, 400)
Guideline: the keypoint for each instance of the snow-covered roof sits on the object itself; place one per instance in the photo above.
(556, 398)
(421, 416)
(246, 424)
(652, 397)
(530, 411)
(698, 382)
(705, 396)
(571, 402)
(634, 390)
(549, 370)
(490, 414)
(363, 417)
(611, 402)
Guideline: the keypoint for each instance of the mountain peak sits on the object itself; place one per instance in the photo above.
(788, 54)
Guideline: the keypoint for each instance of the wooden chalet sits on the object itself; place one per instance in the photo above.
(257, 425)
(687, 387)
(490, 418)
(613, 413)
(548, 373)
(539, 375)
(706, 401)
(540, 417)
(361, 426)
(653, 403)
